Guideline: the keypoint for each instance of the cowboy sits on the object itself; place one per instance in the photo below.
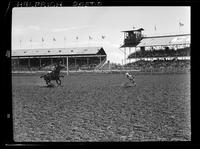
(56, 66)
(131, 78)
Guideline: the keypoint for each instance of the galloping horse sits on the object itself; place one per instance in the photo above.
(54, 75)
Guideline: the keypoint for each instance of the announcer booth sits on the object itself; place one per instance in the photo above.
(131, 39)
(73, 58)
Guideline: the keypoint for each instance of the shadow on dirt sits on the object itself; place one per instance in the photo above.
(51, 86)
(48, 86)
(127, 85)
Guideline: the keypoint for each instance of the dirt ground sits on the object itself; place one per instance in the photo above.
(99, 107)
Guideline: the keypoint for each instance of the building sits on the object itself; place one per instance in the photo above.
(75, 58)
(131, 39)
(134, 39)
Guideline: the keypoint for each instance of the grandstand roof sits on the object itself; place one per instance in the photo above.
(165, 40)
(58, 51)
(140, 29)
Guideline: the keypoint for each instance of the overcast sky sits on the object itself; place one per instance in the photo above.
(30, 25)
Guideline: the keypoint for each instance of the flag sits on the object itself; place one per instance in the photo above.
(54, 39)
(181, 24)
(103, 37)
(90, 37)
(42, 39)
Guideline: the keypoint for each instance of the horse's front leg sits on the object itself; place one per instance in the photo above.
(58, 81)
(48, 82)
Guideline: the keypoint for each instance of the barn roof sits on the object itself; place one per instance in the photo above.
(58, 51)
(164, 40)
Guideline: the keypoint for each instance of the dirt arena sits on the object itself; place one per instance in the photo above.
(97, 107)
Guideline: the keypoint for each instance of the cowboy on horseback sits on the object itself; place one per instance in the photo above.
(54, 74)
(56, 69)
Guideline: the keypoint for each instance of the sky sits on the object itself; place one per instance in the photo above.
(65, 24)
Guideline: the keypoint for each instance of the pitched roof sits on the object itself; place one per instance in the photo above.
(57, 51)
(164, 40)
(140, 29)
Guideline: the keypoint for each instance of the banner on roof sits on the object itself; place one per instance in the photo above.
(180, 40)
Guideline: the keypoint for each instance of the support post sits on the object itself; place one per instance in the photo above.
(40, 62)
(67, 66)
(29, 63)
(129, 54)
(18, 63)
(87, 61)
(75, 61)
(51, 61)
(124, 56)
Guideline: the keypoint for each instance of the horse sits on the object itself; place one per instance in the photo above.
(54, 75)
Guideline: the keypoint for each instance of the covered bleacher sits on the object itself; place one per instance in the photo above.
(76, 58)
(162, 53)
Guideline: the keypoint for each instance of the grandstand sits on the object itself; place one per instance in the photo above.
(80, 58)
(169, 53)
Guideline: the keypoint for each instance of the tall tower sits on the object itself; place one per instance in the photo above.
(131, 39)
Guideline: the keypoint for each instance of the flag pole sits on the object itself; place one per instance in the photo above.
(31, 42)
(64, 41)
(42, 42)
(20, 42)
(89, 38)
(76, 39)
(87, 42)
(54, 40)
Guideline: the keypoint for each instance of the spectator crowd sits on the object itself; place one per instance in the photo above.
(161, 53)
(160, 65)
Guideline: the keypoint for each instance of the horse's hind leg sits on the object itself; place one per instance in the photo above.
(58, 81)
